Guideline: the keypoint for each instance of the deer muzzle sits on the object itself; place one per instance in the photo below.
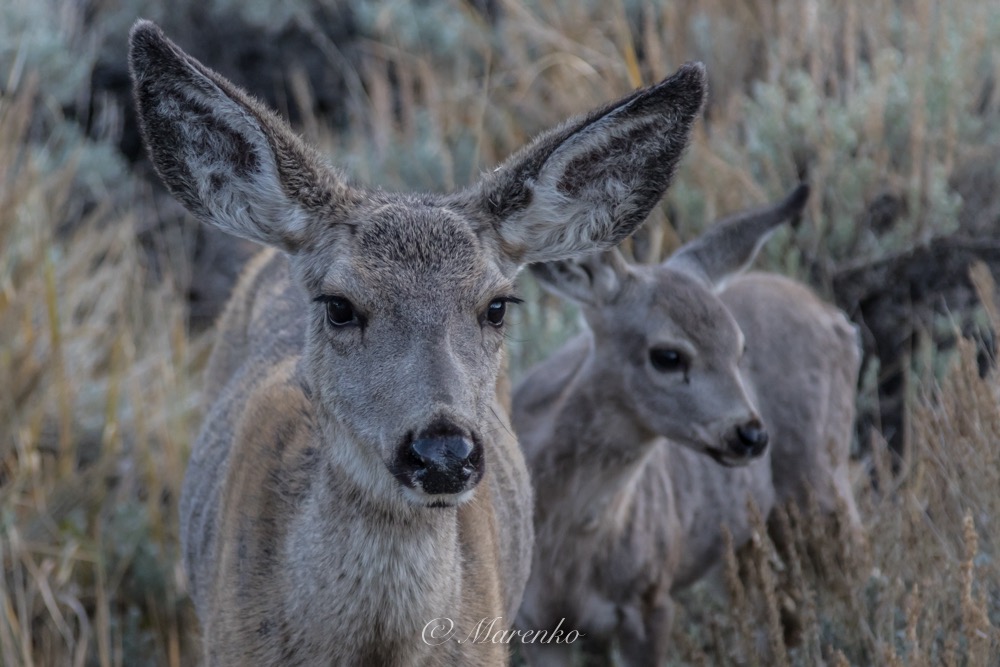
(440, 461)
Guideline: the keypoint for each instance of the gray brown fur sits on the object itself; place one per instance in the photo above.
(628, 505)
(301, 544)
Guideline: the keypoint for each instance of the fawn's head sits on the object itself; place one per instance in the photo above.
(407, 293)
(664, 340)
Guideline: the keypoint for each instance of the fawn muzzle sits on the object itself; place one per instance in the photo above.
(748, 440)
(744, 443)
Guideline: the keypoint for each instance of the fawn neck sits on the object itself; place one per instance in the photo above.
(598, 448)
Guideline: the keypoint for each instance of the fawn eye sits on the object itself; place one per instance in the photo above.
(340, 312)
(667, 360)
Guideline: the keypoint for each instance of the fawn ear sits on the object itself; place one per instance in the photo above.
(591, 281)
(230, 161)
(587, 184)
(730, 245)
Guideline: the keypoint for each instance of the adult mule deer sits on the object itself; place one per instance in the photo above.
(679, 364)
(356, 477)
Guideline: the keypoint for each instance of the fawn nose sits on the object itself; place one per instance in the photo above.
(751, 439)
(442, 460)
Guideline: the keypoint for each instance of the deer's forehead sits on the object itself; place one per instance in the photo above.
(405, 252)
(420, 240)
(681, 306)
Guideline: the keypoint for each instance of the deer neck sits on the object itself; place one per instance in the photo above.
(374, 568)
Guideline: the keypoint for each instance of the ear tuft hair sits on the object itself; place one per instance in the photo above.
(593, 280)
(588, 184)
(232, 162)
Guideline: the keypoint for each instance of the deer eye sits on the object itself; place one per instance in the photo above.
(495, 312)
(497, 309)
(667, 360)
(339, 311)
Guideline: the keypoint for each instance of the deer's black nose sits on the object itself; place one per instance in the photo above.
(751, 439)
(441, 460)
(444, 464)
(441, 451)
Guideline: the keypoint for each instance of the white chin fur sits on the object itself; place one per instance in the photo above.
(421, 499)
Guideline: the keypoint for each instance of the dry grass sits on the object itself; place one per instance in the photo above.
(99, 378)
(923, 588)
(95, 418)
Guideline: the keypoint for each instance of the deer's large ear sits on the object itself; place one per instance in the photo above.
(228, 159)
(586, 185)
(730, 245)
(591, 281)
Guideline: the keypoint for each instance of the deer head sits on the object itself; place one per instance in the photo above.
(404, 295)
(663, 334)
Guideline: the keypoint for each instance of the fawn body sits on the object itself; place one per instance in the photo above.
(679, 364)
